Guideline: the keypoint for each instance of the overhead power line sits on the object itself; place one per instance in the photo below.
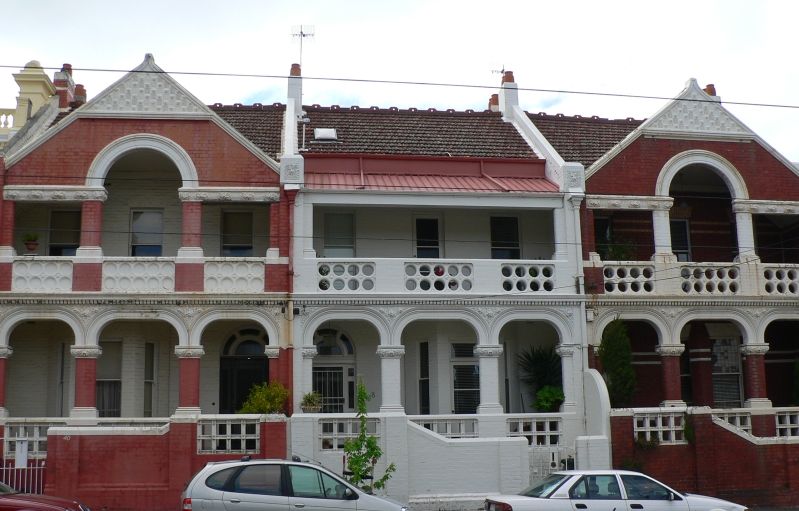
(419, 83)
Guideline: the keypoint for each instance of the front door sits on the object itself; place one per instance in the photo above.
(236, 375)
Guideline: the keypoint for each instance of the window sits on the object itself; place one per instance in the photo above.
(64, 233)
(505, 237)
(600, 487)
(146, 233)
(149, 378)
(680, 240)
(465, 379)
(218, 481)
(237, 234)
(339, 235)
(311, 483)
(603, 236)
(643, 488)
(109, 380)
(260, 479)
(427, 238)
(726, 356)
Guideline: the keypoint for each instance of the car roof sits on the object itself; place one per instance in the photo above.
(596, 472)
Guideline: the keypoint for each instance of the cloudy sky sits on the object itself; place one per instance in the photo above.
(634, 47)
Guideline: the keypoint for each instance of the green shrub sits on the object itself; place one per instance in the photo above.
(617, 362)
(266, 398)
(540, 367)
(548, 399)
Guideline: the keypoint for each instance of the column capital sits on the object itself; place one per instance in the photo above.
(6, 351)
(670, 350)
(272, 352)
(86, 351)
(189, 351)
(488, 350)
(309, 352)
(390, 351)
(565, 350)
(760, 348)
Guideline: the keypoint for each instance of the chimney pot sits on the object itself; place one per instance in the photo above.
(80, 95)
(508, 77)
(493, 103)
(67, 68)
(710, 89)
(295, 70)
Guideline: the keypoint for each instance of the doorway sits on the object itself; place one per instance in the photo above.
(242, 365)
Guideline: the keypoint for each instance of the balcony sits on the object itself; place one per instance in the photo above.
(435, 277)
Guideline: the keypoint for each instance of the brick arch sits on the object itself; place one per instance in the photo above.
(726, 170)
(109, 155)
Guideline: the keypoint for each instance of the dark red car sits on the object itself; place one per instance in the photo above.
(11, 500)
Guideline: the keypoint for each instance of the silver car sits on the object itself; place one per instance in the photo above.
(276, 485)
(605, 490)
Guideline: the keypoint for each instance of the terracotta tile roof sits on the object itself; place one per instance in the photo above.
(421, 183)
(414, 132)
(260, 124)
(582, 139)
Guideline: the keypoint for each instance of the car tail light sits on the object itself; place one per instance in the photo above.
(497, 506)
(187, 504)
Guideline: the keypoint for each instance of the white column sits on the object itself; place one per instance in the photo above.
(561, 235)
(489, 377)
(662, 226)
(746, 236)
(566, 354)
(306, 379)
(391, 377)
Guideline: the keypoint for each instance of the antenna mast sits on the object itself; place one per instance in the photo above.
(302, 31)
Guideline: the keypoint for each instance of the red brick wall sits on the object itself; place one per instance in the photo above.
(189, 277)
(134, 472)
(718, 463)
(87, 276)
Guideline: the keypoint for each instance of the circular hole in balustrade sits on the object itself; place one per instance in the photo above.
(769, 287)
(410, 285)
(439, 285)
(608, 272)
(621, 272)
(466, 285)
(452, 285)
(780, 274)
(685, 273)
(533, 271)
(698, 287)
(635, 272)
(507, 285)
(733, 273)
(352, 269)
(353, 284)
(648, 287)
(609, 287)
(410, 270)
(424, 285)
(324, 284)
(781, 288)
(338, 284)
(507, 271)
(792, 287)
(424, 270)
(368, 284)
(722, 287)
(686, 287)
(710, 273)
(466, 271)
(521, 285)
(710, 287)
(548, 271)
(338, 269)
(697, 273)
(791, 274)
(635, 287)
(721, 273)
(324, 270)
(368, 270)
(622, 287)
(452, 270)
(519, 271)
(647, 273)
(768, 274)
(438, 270)
(548, 285)
(535, 286)
(733, 287)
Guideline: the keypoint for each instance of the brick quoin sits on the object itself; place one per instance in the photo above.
(189, 277)
(276, 278)
(85, 381)
(91, 224)
(6, 270)
(189, 382)
(87, 276)
(192, 222)
(7, 227)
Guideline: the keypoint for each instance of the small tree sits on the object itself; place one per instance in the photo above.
(540, 368)
(616, 356)
(266, 398)
(363, 452)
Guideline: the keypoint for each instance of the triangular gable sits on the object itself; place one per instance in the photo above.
(691, 114)
(146, 90)
(694, 111)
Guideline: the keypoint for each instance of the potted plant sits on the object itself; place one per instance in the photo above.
(311, 402)
(31, 241)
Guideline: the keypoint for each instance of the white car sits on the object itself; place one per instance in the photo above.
(604, 490)
(276, 485)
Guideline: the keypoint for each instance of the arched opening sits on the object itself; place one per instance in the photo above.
(243, 363)
(712, 371)
(334, 369)
(702, 221)
(142, 216)
(529, 363)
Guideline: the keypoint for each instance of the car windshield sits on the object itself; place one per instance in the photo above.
(545, 487)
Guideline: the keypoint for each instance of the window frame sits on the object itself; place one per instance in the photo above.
(249, 249)
(133, 233)
(71, 248)
(337, 250)
(514, 246)
(439, 245)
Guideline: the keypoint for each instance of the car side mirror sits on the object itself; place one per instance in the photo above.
(674, 496)
(349, 494)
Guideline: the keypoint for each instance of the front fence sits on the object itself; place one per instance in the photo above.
(27, 479)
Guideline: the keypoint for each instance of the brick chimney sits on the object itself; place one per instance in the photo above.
(493, 103)
(80, 96)
(508, 94)
(65, 86)
(710, 89)
(295, 88)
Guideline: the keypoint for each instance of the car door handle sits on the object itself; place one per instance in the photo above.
(235, 501)
(581, 506)
(636, 506)
(299, 505)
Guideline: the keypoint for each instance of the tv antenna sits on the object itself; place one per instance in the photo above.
(498, 71)
(302, 31)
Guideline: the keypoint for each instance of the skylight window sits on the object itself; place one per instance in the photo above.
(325, 134)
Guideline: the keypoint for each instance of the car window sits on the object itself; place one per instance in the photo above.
(217, 480)
(311, 483)
(261, 479)
(600, 487)
(643, 488)
(545, 487)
